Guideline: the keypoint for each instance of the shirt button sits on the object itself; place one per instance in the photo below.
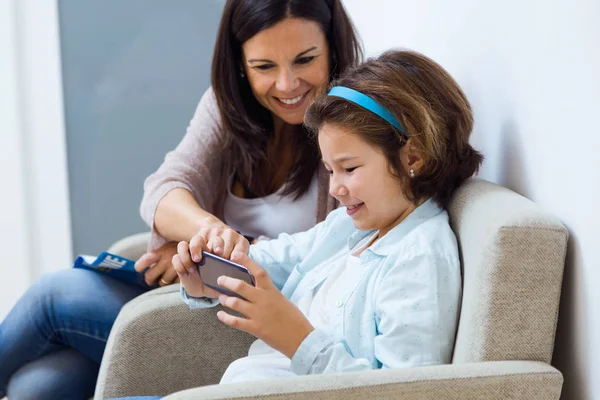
(339, 303)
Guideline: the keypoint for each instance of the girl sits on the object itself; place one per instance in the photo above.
(377, 284)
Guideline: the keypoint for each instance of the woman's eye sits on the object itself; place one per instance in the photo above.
(263, 67)
(305, 60)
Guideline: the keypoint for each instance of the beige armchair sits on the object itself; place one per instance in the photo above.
(513, 258)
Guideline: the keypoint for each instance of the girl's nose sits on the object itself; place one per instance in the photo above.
(336, 188)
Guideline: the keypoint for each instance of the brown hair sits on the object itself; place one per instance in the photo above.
(247, 124)
(430, 106)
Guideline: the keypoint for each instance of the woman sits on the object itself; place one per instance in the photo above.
(245, 164)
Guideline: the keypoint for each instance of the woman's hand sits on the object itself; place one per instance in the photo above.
(161, 269)
(269, 315)
(217, 238)
(188, 272)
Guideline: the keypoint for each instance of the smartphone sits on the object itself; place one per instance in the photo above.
(211, 267)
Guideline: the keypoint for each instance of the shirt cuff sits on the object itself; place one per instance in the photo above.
(196, 302)
(308, 351)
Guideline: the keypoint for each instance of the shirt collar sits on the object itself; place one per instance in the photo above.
(388, 243)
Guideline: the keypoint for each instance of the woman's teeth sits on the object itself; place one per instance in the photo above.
(291, 101)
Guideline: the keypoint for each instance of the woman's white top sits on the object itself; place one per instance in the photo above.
(273, 214)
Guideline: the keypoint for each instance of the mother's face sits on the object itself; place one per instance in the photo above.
(287, 66)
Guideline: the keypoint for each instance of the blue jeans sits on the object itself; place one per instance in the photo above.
(52, 341)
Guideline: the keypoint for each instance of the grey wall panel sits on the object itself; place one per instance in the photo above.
(133, 73)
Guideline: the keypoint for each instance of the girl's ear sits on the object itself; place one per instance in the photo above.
(411, 158)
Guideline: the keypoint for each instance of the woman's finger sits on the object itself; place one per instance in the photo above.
(243, 246)
(145, 261)
(230, 238)
(169, 276)
(153, 274)
(216, 245)
(183, 251)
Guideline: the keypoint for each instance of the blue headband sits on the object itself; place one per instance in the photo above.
(367, 103)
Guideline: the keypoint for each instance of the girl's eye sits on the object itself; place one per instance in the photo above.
(350, 169)
(263, 67)
(305, 60)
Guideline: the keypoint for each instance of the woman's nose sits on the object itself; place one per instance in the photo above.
(287, 81)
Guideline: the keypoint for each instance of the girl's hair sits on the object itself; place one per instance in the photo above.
(429, 105)
(248, 126)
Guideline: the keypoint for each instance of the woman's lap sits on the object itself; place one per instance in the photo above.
(73, 308)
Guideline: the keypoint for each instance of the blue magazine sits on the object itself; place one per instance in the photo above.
(113, 265)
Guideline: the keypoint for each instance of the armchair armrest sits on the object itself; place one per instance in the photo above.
(159, 346)
(498, 380)
(132, 247)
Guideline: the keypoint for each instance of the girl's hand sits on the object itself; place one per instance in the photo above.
(269, 315)
(161, 269)
(188, 273)
(219, 239)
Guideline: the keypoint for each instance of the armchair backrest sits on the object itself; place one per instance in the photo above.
(513, 256)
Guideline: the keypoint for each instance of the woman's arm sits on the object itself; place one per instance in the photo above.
(179, 196)
(179, 217)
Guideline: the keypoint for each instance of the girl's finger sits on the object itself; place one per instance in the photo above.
(237, 286)
(183, 251)
(236, 304)
(178, 266)
(235, 322)
(196, 245)
(261, 277)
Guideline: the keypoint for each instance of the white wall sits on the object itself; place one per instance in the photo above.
(35, 231)
(532, 72)
(13, 216)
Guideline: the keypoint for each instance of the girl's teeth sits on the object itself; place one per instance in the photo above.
(292, 101)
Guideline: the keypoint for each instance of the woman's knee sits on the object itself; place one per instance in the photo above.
(63, 374)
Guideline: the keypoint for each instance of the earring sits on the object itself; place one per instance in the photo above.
(242, 74)
(412, 173)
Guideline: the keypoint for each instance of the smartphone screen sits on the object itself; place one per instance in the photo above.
(212, 267)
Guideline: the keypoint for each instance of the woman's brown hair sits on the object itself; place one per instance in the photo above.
(247, 124)
(430, 106)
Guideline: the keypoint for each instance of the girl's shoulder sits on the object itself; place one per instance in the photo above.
(432, 242)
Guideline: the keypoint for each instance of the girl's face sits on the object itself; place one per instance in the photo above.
(361, 180)
(287, 65)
